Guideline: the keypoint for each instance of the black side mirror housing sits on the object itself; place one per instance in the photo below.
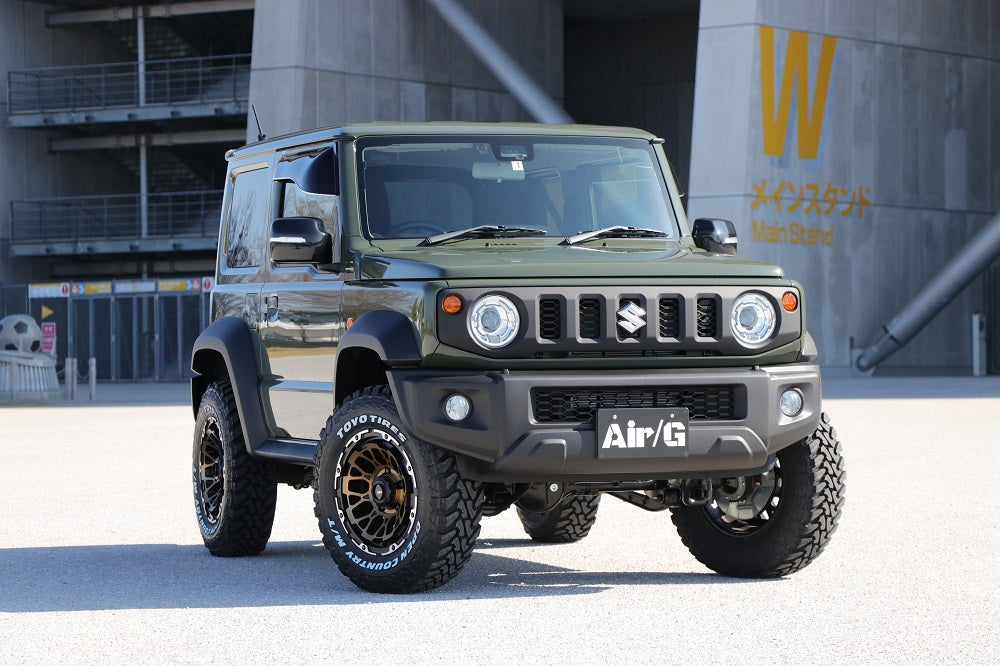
(314, 172)
(714, 235)
(300, 240)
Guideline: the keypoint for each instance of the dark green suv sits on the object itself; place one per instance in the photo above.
(431, 323)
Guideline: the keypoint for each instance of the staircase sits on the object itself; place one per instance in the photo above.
(166, 173)
(162, 43)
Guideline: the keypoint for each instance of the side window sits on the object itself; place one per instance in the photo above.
(247, 224)
(297, 203)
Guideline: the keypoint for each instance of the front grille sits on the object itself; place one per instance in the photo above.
(670, 318)
(590, 318)
(549, 319)
(589, 321)
(638, 353)
(581, 405)
(707, 319)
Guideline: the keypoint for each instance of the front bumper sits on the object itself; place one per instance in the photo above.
(503, 440)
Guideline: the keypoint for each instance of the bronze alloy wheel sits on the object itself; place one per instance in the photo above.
(395, 513)
(209, 479)
(376, 493)
(234, 495)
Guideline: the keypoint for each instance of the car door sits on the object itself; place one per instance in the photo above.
(301, 308)
(242, 257)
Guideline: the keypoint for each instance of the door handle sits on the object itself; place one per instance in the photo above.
(271, 313)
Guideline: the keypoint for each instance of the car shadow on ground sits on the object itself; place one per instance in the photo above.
(165, 576)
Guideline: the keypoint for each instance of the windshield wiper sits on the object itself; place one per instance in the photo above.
(619, 231)
(483, 230)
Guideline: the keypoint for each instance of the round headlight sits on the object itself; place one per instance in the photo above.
(494, 321)
(753, 319)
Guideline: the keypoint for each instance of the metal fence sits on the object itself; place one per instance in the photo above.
(116, 85)
(146, 336)
(168, 215)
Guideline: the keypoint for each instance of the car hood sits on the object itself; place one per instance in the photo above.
(506, 259)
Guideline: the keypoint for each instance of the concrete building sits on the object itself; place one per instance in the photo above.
(853, 142)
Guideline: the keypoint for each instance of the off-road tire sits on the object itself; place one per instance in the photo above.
(234, 495)
(791, 531)
(568, 521)
(395, 514)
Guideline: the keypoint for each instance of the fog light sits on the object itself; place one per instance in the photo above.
(790, 403)
(457, 407)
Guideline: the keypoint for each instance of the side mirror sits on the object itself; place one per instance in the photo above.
(300, 240)
(712, 235)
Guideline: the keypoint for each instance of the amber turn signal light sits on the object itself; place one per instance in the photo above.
(789, 301)
(452, 304)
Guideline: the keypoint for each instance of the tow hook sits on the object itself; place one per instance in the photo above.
(696, 492)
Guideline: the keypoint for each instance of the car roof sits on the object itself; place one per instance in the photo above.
(358, 130)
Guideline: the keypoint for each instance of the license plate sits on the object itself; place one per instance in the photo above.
(642, 433)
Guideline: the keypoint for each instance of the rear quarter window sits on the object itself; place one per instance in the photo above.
(247, 220)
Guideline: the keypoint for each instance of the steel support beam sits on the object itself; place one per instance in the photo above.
(90, 248)
(143, 189)
(140, 37)
(959, 272)
(130, 114)
(235, 137)
(164, 10)
(489, 51)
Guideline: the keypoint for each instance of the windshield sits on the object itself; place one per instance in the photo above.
(420, 187)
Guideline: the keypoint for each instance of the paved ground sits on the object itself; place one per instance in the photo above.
(100, 558)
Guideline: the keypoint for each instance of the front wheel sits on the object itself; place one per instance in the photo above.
(774, 523)
(395, 514)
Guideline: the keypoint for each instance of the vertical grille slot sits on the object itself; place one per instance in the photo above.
(670, 318)
(707, 318)
(549, 319)
(590, 318)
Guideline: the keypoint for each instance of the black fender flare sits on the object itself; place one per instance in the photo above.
(388, 334)
(229, 339)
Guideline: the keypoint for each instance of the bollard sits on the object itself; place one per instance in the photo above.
(69, 371)
(978, 345)
(92, 376)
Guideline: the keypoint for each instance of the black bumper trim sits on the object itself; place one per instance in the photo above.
(502, 442)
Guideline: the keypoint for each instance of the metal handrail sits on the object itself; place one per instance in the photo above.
(116, 85)
(116, 217)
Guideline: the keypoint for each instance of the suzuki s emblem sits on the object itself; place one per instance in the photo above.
(631, 317)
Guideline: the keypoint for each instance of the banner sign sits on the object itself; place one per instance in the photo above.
(48, 290)
(48, 337)
(135, 286)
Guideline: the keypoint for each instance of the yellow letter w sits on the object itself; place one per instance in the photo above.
(796, 71)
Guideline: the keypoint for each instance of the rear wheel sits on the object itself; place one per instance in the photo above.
(234, 496)
(774, 523)
(568, 521)
(395, 514)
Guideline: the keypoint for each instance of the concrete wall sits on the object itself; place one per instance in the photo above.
(28, 169)
(910, 123)
(324, 62)
(637, 73)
